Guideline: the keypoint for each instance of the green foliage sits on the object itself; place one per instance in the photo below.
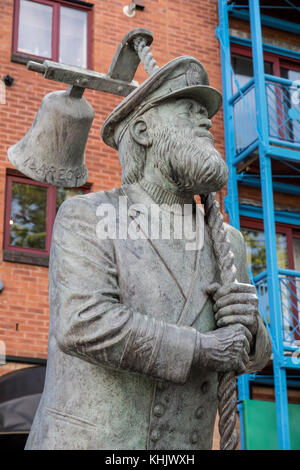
(28, 214)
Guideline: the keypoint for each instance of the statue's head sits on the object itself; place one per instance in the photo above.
(163, 126)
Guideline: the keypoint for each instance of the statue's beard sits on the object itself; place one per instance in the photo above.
(191, 163)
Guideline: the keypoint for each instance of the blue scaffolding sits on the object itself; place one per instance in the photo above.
(270, 134)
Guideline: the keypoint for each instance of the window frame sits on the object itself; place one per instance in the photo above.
(290, 231)
(21, 57)
(27, 255)
(278, 61)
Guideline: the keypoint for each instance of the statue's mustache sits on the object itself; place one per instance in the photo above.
(188, 157)
(202, 132)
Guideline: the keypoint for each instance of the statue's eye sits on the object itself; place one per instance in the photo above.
(203, 111)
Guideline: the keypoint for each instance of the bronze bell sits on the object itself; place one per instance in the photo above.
(52, 151)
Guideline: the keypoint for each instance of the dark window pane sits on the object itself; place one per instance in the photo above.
(73, 37)
(35, 27)
(28, 216)
(63, 194)
(243, 69)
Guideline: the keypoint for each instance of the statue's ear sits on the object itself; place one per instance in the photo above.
(139, 132)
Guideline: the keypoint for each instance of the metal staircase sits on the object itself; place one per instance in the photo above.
(262, 124)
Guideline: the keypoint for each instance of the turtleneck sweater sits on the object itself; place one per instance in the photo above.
(161, 195)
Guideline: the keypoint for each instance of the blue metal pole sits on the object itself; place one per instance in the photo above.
(232, 200)
(269, 224)
(222, 33)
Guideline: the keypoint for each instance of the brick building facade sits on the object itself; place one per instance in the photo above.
(179, 28)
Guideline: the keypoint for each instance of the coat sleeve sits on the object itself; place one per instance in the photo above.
(262, 347)
(87, 317)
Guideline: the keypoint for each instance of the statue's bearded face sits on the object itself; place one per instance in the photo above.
(183, 148)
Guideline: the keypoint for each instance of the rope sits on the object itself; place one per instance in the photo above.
(146, 57)
(227, 399)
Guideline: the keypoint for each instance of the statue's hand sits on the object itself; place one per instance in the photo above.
(225, 349)
(235, 303)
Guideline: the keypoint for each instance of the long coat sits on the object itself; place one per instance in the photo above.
(123, 321)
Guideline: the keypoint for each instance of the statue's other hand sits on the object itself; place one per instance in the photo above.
(225, 349)
(235, 303)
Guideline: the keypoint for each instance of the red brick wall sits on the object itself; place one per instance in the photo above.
(270, 35)
(179, 28)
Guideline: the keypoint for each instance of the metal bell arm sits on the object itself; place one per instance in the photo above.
(117, 81)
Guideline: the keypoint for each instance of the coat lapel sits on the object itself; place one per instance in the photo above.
(203, 275)
(141, 224)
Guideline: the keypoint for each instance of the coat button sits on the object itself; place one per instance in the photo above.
(199, 413)
(194, 438)
(155, 435)
(158, 410)
(205, 387)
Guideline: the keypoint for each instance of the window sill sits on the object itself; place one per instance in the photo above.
(35, 259)
(23, 58)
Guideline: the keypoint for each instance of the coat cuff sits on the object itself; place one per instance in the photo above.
(159, 349)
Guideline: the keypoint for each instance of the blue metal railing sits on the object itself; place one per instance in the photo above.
(262, 119)
(289, 282)
(283, 107)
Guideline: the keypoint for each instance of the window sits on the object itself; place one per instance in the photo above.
(288, 257)
(31, 208)
(254, 236)
(52, 29)
(287, 242)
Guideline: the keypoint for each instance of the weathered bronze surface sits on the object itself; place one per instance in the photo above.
(53, 149)
(141, 326)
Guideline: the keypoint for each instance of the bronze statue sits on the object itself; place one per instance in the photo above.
(143, 329)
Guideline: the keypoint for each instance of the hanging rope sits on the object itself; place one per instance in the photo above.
(227, 399)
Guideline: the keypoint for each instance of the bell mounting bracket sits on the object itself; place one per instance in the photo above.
(118, 80)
